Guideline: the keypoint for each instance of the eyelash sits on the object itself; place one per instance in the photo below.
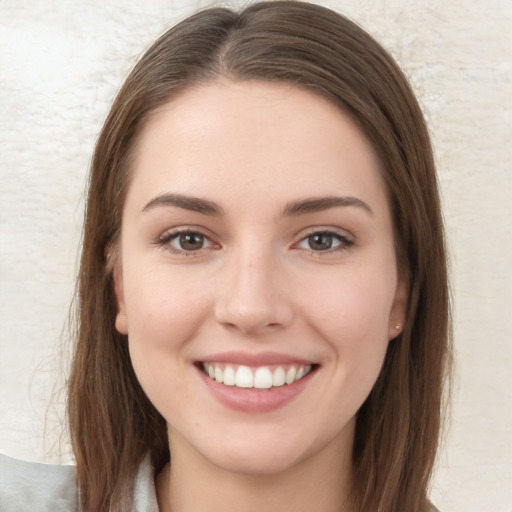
(344, 242)
(167, 238)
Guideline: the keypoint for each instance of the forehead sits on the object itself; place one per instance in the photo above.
(233, 139)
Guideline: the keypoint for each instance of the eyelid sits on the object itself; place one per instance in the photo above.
(164, 240)
(346, 239)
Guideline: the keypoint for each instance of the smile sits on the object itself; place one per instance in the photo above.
(262, 377)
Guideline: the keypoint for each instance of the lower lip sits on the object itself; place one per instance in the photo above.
(252, 400)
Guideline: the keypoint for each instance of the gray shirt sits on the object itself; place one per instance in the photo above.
(31, 486)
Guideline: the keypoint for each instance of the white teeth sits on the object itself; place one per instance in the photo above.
(262, 377)
(229, 376)
(290, 375)
(278, 379)
(244, 377)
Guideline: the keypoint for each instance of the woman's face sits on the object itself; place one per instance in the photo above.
(257, 278)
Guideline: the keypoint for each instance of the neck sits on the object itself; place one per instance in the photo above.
(321, 483)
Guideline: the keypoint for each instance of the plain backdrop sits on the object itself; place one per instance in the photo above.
(61, 63)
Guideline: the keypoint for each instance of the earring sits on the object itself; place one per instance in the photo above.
(398, 327)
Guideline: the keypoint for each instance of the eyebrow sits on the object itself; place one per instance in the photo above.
(293, 208)
(318, 204)
(191, 203)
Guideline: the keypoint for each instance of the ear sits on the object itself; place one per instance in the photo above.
(398, 313)
(121, 318)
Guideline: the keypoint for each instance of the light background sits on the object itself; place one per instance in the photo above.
(61, 63)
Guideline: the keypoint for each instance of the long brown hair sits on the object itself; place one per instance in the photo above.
(112, 423)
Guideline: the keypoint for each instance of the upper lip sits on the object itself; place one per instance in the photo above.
(260, 359)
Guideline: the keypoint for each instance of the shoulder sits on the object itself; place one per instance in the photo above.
(144, 496)
(36, 487)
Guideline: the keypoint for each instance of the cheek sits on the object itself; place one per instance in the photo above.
(163, 307)
(164, 313)
(352, 316)
(353, 305)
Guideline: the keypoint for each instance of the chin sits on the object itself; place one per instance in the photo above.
(257, 461)
(270, 451)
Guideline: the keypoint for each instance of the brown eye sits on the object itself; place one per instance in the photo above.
(320, 241)
(190, 241)
(185, 242)
(325, 241)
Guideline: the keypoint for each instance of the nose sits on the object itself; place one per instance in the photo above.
(251, 297)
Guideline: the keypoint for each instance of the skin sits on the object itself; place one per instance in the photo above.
(256, 282)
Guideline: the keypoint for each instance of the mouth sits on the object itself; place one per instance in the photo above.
(259, 378)
(251, 383)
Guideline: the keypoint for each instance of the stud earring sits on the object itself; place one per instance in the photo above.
(398, 327)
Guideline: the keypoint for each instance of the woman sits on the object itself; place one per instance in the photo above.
(262, 318)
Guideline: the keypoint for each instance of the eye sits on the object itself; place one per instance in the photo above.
(183, 242)
(323, 241)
